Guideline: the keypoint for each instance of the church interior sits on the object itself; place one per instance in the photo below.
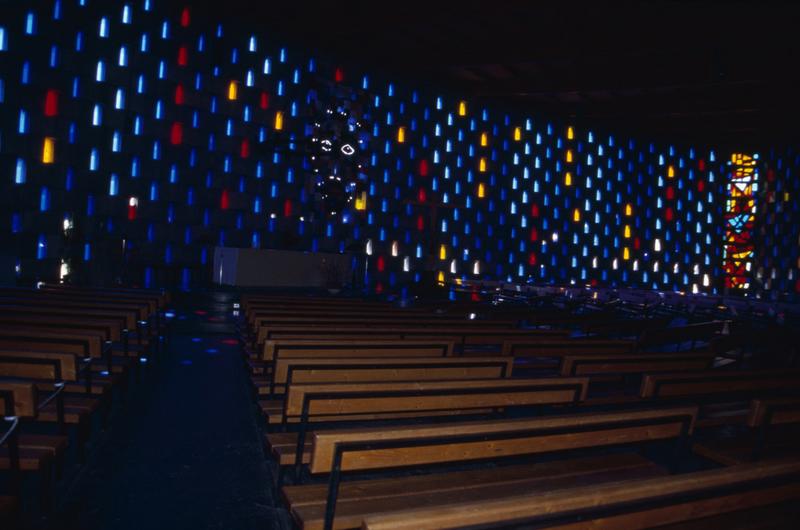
(294, 265)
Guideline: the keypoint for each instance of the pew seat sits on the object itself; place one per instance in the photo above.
(771, 430)
(76, 410)
(705, 499)
(30, 458)
(56, 445)
(362, 499)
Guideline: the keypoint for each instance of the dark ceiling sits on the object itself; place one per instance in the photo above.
(704, 73)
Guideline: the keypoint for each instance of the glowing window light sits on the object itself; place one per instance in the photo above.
(627, 231)
(482, 165)
(113, 185)
(670, 172)
(484, 139)
(22, 125)
(41, 247)
(100, 72)
(628, 210)
(233, 90)
(517, 134)
(462, 108)
(97, 115)
(401, 135)
(20, 172)
(570, 133)
(442, 252)
(119, 99)
(440, 278)
(278, 125)
(626, 253)
(395, 249)
(740, 209)
(568, 179)
(569, 156)
(30, 23)
(576, 215)
(123, 56)
(3, 39)
(49, 150)
(481, 190)
(94, 160)
(361, 201)
(103, 27)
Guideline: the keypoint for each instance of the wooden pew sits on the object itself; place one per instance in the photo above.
(88, 344)
(721, 382)
(421, 326)
(469, 335)
(141, 310)
(547, 346)
(349, 370)
(59, 371)
(771, 431)
(274, 349)
(720, 389)
(307, 405)
(110, 328)
(74, 370)
(614, 364)
(624, 327)
(692, 334)
(386, 448)
(762, 495)
(9, 444)
(156, 301)
(31, 453)
(88, 302)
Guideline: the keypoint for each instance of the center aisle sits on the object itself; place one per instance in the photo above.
(189, 453)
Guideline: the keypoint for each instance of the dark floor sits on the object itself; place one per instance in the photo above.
(186, 450)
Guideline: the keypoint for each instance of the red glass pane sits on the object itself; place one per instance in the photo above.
(185, 17)
(51, 103)
(176, 134)
(423, 168)
(183, 56)
(180, 95)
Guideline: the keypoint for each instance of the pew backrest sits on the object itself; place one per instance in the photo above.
(396, 447)
(718, 382)
(313, 370)
(634, 364)
(356, 348)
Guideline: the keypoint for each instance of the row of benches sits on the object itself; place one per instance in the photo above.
(66, 353)
(340, 404)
